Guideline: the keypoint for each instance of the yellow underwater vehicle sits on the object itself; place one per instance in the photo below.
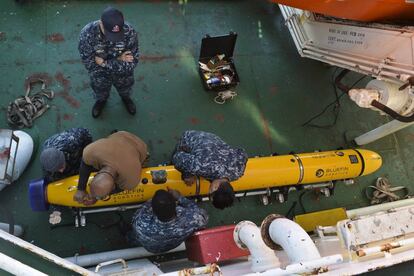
(283, 171)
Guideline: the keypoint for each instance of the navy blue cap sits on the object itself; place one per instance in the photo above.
(113, 22)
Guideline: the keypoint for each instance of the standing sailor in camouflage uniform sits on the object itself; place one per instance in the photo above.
(204, 154)
(109, 51)
(167, 220)
(62, 153)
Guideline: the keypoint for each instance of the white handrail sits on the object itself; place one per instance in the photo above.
(17, 268)
(44, 254)
(126, 254)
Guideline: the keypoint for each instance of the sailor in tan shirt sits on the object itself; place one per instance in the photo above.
(118, 161)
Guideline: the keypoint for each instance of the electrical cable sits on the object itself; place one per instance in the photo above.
(300, 200)
(291, 212)
(336, 102)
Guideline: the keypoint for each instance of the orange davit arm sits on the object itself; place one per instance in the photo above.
(260, 173)
(360, 10)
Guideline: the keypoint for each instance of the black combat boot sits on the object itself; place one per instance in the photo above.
(97, 108)
(130, 106)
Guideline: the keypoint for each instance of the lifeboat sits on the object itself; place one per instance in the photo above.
(366, 10)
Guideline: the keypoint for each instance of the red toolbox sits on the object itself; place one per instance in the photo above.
(213, 245)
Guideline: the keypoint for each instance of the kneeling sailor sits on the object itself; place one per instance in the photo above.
(118, 161)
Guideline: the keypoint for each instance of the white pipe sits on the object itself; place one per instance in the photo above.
(294, 240)
(17, 268)
(110, 209)
(44, 254)
(380, 132)
(302, 267)
(18, 230)
(322, 231)
(378, 208)
(384, 247)
(126, 254)
(206, 198)
(247, 234)
(207, 269)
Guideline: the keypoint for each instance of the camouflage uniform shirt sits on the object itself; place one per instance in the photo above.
(71, 142)
(93, 43)
(204, 154)
(157, 236)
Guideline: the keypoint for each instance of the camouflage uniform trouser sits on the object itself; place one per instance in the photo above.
(101, 84)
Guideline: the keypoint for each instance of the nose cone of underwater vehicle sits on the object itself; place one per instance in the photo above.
(37, 195)
(372, 161)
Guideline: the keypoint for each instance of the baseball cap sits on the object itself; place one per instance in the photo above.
(52, 159)
(113, 22)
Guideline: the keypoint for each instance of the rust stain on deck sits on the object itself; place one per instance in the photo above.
(219, 117)
(194, 121)
(55, 38)
(273, 90)
(38, 75)
(156, 58)
(65, 92)
(67, 117)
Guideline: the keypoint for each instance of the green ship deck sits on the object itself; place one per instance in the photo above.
(278, 92)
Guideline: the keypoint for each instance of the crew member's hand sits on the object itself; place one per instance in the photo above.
(80, 196)
(84, 198)
(176, 194)
(189, 181)
(99, 61)
(126, 56)
(89, 200)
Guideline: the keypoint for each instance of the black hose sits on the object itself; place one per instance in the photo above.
(392, 113)
(375, 103)
(344, 88)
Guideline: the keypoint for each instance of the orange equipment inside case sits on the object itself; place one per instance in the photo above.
(213, 245)
(359, 10)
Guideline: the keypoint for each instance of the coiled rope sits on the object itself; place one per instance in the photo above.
(224, 95)
(383, 192)
(24, 110)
